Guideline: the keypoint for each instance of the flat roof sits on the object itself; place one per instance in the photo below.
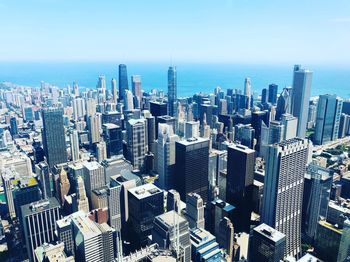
(193, 140)
(269, 232)
(144, 191)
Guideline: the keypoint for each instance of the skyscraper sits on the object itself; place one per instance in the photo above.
(164, 233)
(239, 184)
(35, 234)
(283, 190)
(93, 176)
(94, 125)
(137, 144)
(83, 202)
(317, 188)
(172, 90)
(128, 100)
(266, 244)
(112, 135)
(78, 108)
(43, 173)
(114, 90)
(166, 156)
(192, 157)
(123, 81)
(290, 124)
(273, 88)
(300, 97)
(64, 185)
(226, 237)
(195, 211)
(136, 90)
(53, 135)
(283, 103)
(74, 145)
(329, 109)
(247, 91)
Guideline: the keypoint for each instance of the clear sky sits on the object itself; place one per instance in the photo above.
(230, 31)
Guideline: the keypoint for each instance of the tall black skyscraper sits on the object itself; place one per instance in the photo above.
(54, 141)
(123, 81)
(273, 93)
(192, 157)
(239, 185)
(172, 89)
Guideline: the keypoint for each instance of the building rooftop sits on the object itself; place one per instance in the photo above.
(330, 226)
(168, 218)
(86, 226)
(144, 191)
(242, 148)
(93, 165)
(39, 206)
(192, 141)
(269, 232)
(110, 125)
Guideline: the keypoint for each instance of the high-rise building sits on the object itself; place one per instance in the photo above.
(43, 173)
(20, 189)
(192, 157)
(170, 231)
(317, 188)
(247, 92)
(204, 246)
(329, 109)
(137, 144)
(114, 205)
(136, 90)
(93, 176)
(332, 242)
(264, 96)
(112, 135)
(245, 135)
(64, 185)
(173, 200)
(82, 200)
(94, 125)
(166, 156)
(272, 98)
(145, 203)
(13, 126)
(48, 212)
(239, 184)
(78, 108)
(226, 237)
(74, 145)
(195, 211)
(114, 90)
(123, 81)
(158, 108)
(172, 90)
(283, 103)
(301, 97)
(52, 252)
(53, 135)
(266, 244)
(290, 124)
(128, 100)
(192, 129)
(93, 242)
(344, 125)
(101, 151)
(283, 190)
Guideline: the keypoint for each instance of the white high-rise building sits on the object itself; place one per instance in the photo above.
(136, 89)
(129, 102)
(95, 127)
(93, 176)
(283, 190)
(83, 202)
(74, 145)
(137, 144)
(166, 155)
(290, 123)
(247, 91)
(101, 149)
(192, 129)
(114, 91)
(90, 107)
(78, 108)
(195, 211)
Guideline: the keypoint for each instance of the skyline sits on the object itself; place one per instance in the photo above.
(196, 31)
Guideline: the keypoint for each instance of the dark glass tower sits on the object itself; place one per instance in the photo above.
(273, 94)
(283, 103)
(123, 81)
(13, 126)
(239, 184)
(54, 141)
(172, 89)
(192, 157)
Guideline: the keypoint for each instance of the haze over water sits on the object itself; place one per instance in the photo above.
(192, 78)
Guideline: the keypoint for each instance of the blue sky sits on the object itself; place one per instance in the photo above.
(228, 31)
